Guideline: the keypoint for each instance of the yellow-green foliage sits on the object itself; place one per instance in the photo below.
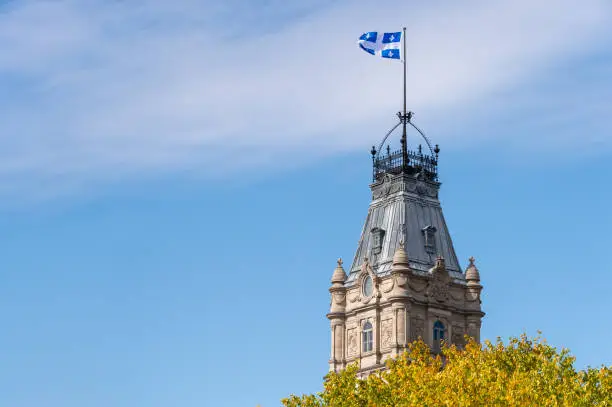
(523, 372)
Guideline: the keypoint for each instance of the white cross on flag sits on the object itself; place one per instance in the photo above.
(385, 45)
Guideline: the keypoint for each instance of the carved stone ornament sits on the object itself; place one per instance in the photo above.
(400, 282)
(457, 336)
(366, 270)
(439, 291)
(417, 286)
(339, 297)
(457, 296)
(417, 328)
(383, 189)
(423, 188)
(387, 187)
(387, 286)
(439, 284)
(352, 342)
(386, 332)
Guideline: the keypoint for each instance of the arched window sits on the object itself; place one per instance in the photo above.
(438, 335)
(367, 337)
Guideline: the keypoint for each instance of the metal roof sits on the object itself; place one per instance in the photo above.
(405, 209)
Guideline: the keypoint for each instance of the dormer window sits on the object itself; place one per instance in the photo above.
(377, 240)
(429, 233)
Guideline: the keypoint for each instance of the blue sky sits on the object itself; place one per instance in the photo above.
(177, 181)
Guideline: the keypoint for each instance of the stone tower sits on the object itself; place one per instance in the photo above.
(405, 281)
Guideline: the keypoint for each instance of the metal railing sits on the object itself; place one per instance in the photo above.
(415, 162)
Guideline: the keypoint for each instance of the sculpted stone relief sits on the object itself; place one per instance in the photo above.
(457, 294)
(439, 285)
(457, 336)
(339, 297)
(388, 187)
(439, 291)
(387, 286)
(424, 189)
(386, 333)
(418, 286)
(417, 328)
(384, 189)
(352, 342)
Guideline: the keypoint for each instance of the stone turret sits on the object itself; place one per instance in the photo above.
(337, 316)
(337, 290)
(471, 273)
(405, 281)
(474, 288)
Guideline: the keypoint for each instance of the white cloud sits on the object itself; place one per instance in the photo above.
(103, 89)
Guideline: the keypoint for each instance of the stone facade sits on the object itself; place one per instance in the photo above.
(414, 293)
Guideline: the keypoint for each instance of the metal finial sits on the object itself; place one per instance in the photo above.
(373, 151)
(420, 149)
(340, 262)
(472, 260)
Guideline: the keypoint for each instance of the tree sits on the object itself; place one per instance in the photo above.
(523, 372)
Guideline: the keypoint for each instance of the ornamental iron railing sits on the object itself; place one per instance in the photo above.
(410, 162)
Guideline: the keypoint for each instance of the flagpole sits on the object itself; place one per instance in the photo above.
(404, 117)
(404, 55)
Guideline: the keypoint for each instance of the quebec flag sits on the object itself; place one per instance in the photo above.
(386, 45)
